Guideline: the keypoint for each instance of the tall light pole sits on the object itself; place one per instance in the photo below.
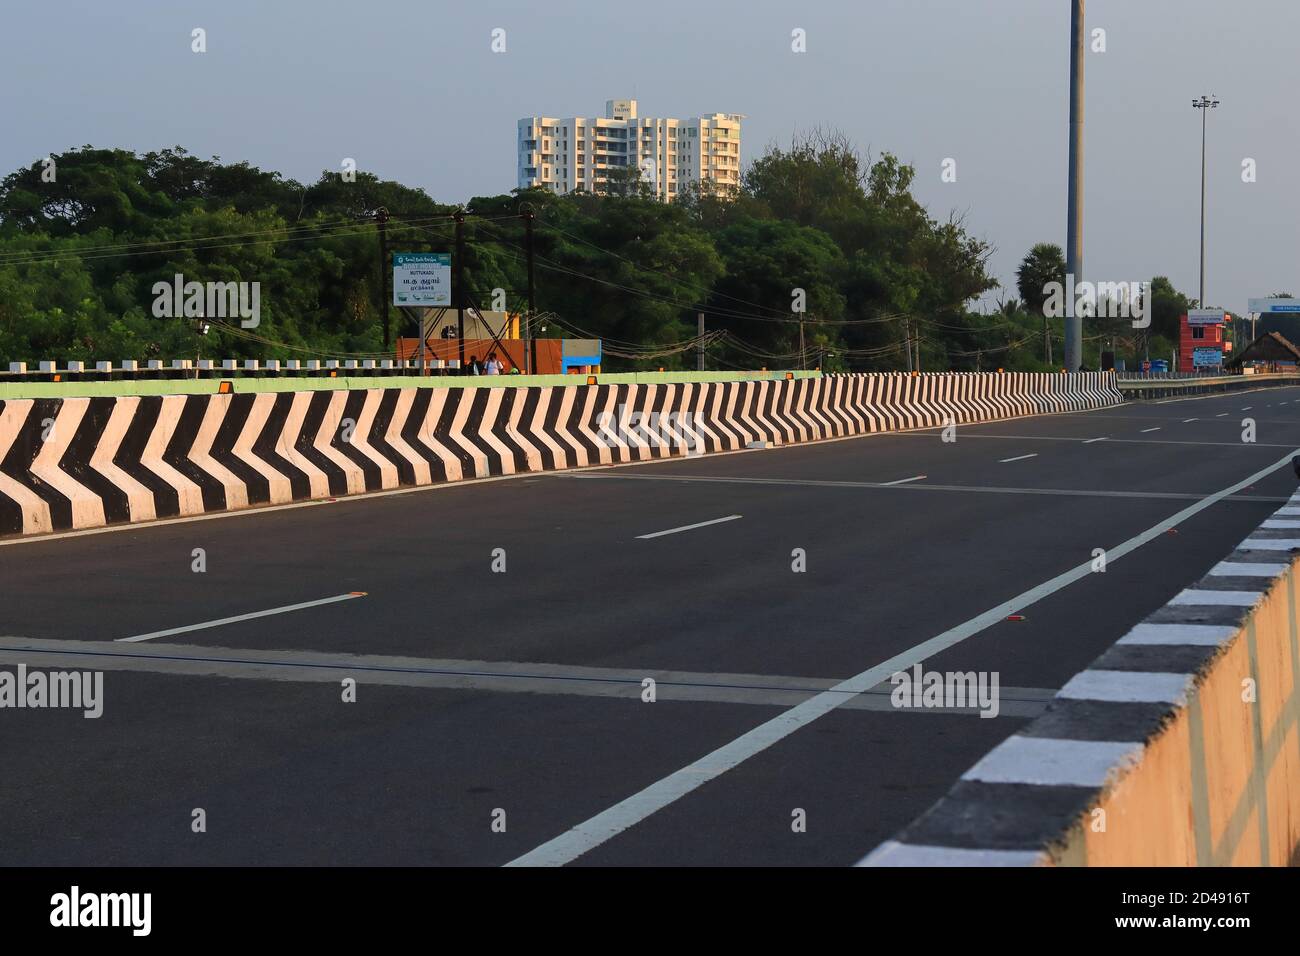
(1074, 214)
(1204, 104)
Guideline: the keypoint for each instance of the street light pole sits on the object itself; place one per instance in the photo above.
(1074, 210)
(1204, 104)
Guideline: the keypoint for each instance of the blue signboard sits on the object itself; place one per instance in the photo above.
(1207, 357)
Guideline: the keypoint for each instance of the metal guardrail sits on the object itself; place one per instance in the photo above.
(1164, 385)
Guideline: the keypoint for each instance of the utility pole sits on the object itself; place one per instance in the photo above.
(1074, 215)
(1204, 104)
(803, 358)
(384, 273)
(459, 218)
(530, 346)
(907, 341)
(699, 344)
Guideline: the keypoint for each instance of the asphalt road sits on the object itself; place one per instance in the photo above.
(514, 698)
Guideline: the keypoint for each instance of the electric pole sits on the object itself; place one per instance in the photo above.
(530, 346)
(699, 344)
(459, 218)
(381, 217)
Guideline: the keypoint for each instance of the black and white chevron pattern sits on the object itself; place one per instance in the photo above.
(86, 462)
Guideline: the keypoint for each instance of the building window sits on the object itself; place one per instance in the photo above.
(1198, 331)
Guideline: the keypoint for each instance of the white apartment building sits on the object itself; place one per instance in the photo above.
(565, 155)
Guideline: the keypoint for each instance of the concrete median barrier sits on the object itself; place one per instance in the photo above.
(1179, 746)
(75, 463)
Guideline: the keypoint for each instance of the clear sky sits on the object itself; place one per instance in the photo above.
(413, 92)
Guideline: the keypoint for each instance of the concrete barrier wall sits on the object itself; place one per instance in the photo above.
(75, 463)
(1180, 746)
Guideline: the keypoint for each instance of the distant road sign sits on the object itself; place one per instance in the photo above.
(1204, 357)
(1205, 316)
(1274, 305)
(422, 279)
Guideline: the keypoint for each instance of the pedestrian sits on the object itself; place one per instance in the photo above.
(493, 366)
(473, 366)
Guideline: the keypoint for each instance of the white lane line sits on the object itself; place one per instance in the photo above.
(1018, 458)
(242, 617)
(1221, 415)
(903, 481)
(688, 527)
(1248, 408)
(585, 836)
(1186, 420)
(1156, 429)
(1089, 441)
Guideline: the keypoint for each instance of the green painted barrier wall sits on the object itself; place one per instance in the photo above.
(304, 383)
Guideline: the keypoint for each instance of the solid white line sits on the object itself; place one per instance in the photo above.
(628, 812)
(1089, 441)
(1019, 458)
(1145, 430)
(242, 617)
(903, 481)
(689, 527)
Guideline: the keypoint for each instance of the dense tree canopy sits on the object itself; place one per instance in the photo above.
(819, 242)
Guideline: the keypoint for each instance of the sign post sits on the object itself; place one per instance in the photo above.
(422, 279)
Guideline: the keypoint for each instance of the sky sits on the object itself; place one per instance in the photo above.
(414, 92)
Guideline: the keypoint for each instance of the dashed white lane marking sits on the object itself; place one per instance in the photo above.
(1089, 441)
(1248, 408)
(903, 481)
(242, 617)
(628, 812)
(1221, 415)
(1186, 420)
(1156, 429)
(1018, 458)
(688, 527)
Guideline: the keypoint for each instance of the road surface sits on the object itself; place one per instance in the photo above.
(499, 714)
